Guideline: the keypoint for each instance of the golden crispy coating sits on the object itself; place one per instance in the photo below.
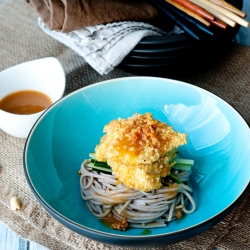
(137, 150)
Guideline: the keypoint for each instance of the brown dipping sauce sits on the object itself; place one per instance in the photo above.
(109, 220)
(112, 222)
(25, 102)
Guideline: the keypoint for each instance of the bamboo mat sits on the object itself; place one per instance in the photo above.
(22, 40)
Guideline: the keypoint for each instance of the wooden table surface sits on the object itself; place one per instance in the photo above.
(10, 241)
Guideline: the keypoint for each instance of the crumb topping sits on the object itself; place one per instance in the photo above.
(121, 226)
(137, 149)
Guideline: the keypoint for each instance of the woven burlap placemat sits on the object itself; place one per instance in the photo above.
(22, 40)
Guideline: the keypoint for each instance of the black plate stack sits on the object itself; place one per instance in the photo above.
(181, 54)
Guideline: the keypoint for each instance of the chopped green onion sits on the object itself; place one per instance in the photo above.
(100, 168)
(176, 179)
(99, 163)
(182, 167)
(184, 161)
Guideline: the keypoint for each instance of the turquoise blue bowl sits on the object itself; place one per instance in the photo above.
(218, 141)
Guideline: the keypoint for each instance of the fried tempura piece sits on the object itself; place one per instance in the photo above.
(138, 149)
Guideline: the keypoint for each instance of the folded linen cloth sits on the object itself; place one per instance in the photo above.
(70, 15)
(105, 46)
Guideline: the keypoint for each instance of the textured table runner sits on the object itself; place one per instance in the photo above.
(22, 40)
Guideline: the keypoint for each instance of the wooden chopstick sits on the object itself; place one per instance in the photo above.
(190, 20)
(196, 9)
(179, 21)
(219, 23)
(226, 13)
(216, 13)
(229, 7)
(189, 12)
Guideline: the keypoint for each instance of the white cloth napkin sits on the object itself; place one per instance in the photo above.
(104, 46)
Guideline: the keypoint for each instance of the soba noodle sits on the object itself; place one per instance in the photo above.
(105, 195)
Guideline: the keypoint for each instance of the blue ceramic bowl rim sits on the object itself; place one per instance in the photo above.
(89, 232)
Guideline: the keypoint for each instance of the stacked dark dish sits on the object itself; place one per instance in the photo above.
(180, 54)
